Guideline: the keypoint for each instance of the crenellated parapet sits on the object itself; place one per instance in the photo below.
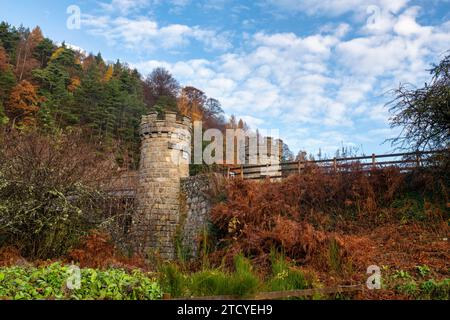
(167, 124)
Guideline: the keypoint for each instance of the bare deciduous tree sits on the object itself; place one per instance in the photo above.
(424, 114)
(160, 84)
(49, 191)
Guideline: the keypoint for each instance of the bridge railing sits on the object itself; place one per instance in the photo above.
(405, 161)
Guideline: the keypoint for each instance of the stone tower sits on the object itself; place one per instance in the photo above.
(165, 158)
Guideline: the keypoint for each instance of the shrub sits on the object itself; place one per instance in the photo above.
(432, 289)
(10, 256)
(416, 288)
(301, 214)
(409, 288)
(97, 250)
(410, 208)
(400, 274)
(428, 290)
(48, 192)
(423, 270)
(49, 282)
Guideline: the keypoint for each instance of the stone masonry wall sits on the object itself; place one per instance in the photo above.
(197, 202)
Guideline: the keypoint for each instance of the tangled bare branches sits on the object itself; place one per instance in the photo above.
(48, 191)
(423, 114)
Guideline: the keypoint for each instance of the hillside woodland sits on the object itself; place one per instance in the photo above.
(53, 88)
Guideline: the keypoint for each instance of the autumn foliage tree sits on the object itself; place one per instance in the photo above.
(23, 104)
(25, 59)
(191, 103)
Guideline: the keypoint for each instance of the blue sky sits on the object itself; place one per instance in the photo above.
(319, 71)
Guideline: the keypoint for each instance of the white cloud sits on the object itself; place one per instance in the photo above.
(406, 24)
(75, 48)
(215, 4)
(126, 6)
(180, 3)
(253, 122)
(378, 112)
(337, 7)
(142, 33)
(281, 72)
(402, 54)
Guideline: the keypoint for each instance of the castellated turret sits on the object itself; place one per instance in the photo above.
(165, 158)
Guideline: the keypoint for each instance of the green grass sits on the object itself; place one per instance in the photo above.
(242, 282)
(285, 276)
(172, 280)
(211, 282)
(334, 257)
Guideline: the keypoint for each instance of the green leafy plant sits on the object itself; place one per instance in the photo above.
(409, 288)
(423, 270)
(428, 290)
(400, 274)
(244, 280)
(432, 289)
(404, 283)
(50, 282)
